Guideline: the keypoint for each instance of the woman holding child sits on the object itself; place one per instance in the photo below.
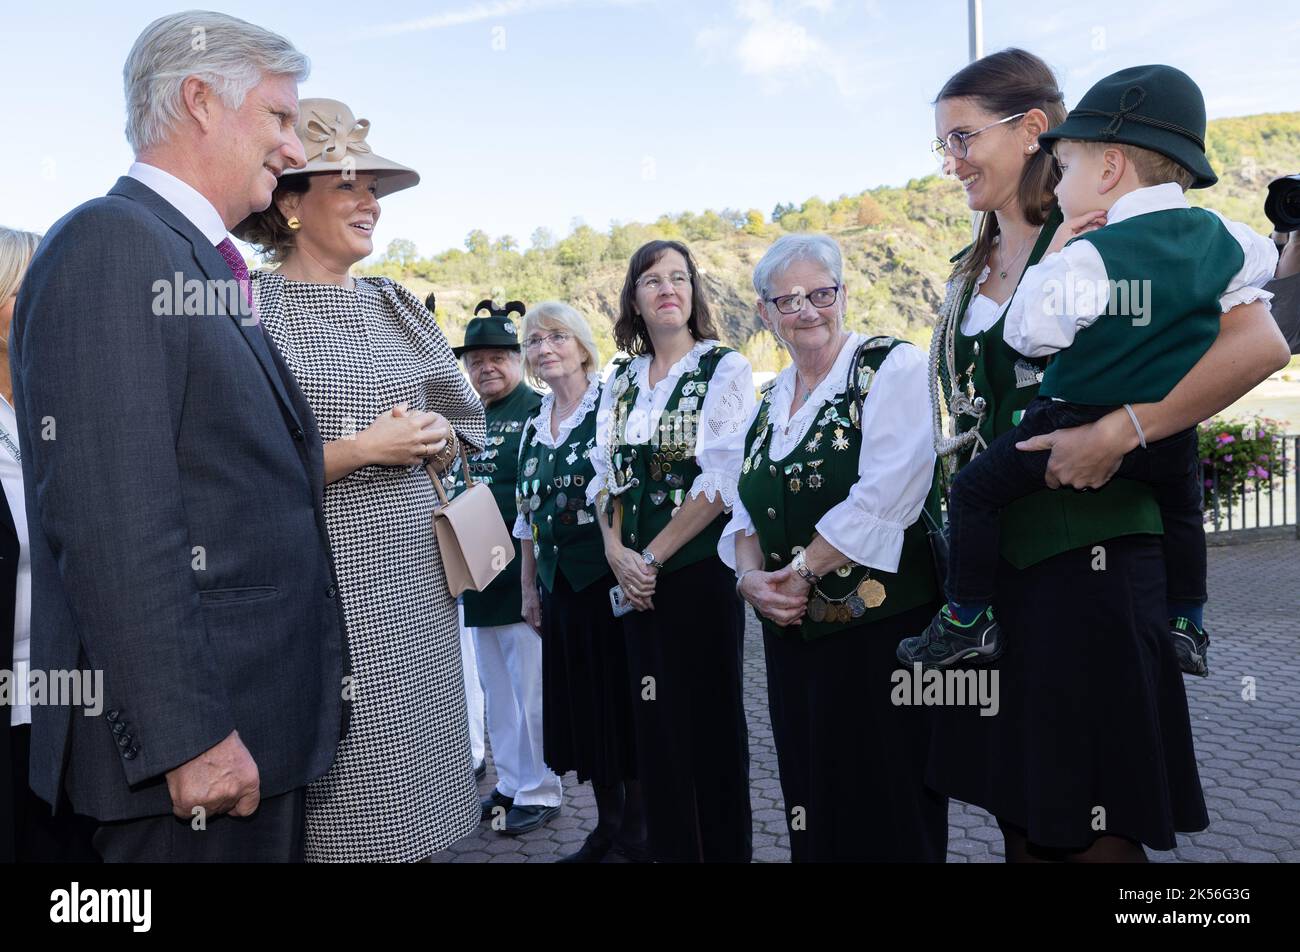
(1090, 755)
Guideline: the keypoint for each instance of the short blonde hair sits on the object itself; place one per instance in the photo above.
(559, 314)
(1152, 168)
(16, 251)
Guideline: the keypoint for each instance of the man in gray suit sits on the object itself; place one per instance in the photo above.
(174, 477)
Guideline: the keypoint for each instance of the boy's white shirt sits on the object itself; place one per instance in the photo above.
(1035, 329)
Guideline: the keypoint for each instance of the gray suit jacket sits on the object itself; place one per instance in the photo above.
(174, 479)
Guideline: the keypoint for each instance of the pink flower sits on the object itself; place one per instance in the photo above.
(1228, 458)
(1209, 484)
(1227, 438)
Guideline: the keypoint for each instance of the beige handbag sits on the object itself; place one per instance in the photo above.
(476, 545)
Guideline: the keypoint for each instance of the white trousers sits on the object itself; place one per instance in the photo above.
(510, 667)
(473, 691)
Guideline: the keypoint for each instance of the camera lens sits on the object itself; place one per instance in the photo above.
(1283, 203)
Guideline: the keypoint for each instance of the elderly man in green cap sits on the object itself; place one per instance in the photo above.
(1128, 299)
(509, 651)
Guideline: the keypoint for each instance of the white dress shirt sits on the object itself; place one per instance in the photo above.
(895, 461)
(184, 198)
(1041, 320)
(720, 434)
(11, 475)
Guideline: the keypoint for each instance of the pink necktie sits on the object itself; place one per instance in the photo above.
(235, 262)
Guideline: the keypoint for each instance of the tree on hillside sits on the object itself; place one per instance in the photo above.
(782, 209)
(755, 224)
(477, 242)
(505, 243)
(543, 239)
(401, 252)
(870, 213)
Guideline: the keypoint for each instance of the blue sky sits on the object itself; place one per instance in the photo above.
(527, 113)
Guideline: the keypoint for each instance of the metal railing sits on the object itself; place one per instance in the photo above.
(1257, 507)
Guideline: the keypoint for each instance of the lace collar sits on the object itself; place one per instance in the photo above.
(830, 389)
(640, 366)
(542, 422)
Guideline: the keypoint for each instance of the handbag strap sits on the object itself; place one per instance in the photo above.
(436, 477)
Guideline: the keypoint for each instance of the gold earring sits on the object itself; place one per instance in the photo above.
(293, 223)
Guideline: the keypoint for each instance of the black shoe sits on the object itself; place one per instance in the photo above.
(493, 800)
(593, 850)
(522, 819)
(946, 644)
(480, 771)
(1191, 645)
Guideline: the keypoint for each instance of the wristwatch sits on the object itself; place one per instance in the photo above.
(649, 558)
(800, 564)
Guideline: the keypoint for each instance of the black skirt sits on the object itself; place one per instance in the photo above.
(1092, 737)
(586, 706)
(851, 758)
(684, 662)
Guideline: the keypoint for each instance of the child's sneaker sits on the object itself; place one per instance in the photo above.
(946, 643)
(1191, 644)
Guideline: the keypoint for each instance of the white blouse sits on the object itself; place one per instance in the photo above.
(895, 462)
(1042, 320)
(720, 436)
(542, 433)
(982, 312)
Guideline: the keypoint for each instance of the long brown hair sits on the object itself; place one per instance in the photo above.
(630, 332)
(1004, 84)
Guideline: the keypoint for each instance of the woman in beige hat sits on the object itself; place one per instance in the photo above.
(388, 398)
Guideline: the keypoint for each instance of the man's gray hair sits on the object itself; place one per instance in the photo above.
(788, 249)
(230, 55)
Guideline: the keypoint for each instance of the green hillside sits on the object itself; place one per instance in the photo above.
(896, 242)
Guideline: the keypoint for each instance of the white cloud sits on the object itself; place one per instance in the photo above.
(474, 13)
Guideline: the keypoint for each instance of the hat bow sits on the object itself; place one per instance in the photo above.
(330, 139)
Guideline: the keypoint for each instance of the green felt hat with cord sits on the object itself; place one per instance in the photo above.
(1153, 107)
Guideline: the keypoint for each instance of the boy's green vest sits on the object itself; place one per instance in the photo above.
(1176, 264)
(786, 499)
(1050, 522)
(661, 471)
(551, 495)
(497, 465)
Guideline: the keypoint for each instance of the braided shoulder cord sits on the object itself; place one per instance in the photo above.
(959, 404)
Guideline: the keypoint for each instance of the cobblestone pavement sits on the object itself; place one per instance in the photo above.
(1248, 750)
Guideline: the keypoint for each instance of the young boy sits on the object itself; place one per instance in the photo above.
(1128, 298)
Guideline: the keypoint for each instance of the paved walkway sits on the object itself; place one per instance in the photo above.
(1248, 750)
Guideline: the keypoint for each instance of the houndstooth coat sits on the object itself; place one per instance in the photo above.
(402, 784)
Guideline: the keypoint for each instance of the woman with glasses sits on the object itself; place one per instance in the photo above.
(669, 434)
(1090, 755)
(827, 547)
(586, 706)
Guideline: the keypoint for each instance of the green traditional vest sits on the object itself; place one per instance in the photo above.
(1050, 522)
(497, 466)
(786, 499)
(1180, 261)
(661, 471)
(552, 496)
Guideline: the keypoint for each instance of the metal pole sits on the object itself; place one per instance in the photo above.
(975, 9)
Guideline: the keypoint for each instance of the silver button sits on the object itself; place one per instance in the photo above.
(771, 513)
(977, 348)
(775, 557)
(772, 470)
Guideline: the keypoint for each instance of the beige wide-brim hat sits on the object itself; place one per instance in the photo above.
(334, 140)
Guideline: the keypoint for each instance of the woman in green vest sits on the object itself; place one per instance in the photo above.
(1090, 755)
(827, 547)
(586, 706)
(669, 434)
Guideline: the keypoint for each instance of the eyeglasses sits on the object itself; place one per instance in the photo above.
(653, 282)
(958, 143)
(556, 340)
(793, 303)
